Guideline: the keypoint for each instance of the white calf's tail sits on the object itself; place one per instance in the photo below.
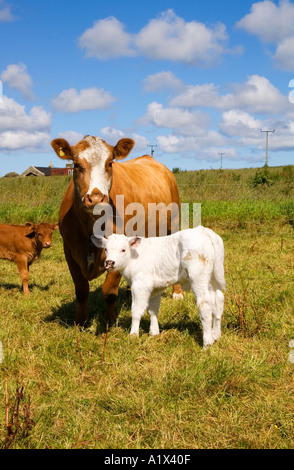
(218, 268)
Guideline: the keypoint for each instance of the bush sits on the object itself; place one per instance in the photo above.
(262, 177)
(11, 174)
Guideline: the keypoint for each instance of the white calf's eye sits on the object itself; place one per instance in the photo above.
(123, 251)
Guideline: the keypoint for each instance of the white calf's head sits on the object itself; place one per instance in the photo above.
(92, 158)
(119, 249)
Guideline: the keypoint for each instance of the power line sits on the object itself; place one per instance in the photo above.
(267, 132)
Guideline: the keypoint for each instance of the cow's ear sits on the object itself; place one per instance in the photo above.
(123, 148)
(55, 226)
(98, 241)
(30, 229)
(135, 241)
(62, 149)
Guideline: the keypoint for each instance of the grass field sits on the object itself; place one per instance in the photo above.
(63, 387)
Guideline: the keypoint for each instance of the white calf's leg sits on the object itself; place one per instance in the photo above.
(217, 314)
(153, 308)
(204, 304)
(140, 300)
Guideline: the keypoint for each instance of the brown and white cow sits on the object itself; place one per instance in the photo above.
(97, 179)
(23, 245)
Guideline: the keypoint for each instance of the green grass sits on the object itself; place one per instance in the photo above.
(31, 199)
(83, 389)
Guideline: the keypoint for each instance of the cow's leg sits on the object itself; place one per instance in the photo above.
(82, 294)
(205, 307)
(153, 308)
(23, 269)
(178, 293)
(217, 312)
(110, 293)
(140, 301)
(81, 288)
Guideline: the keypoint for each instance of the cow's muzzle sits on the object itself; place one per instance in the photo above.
(90, 200)
(109, 264)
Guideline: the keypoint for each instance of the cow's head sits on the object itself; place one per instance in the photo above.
(92, 158)
(42, 232)
(119, 249)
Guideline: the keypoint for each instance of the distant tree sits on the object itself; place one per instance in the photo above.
(11, 174)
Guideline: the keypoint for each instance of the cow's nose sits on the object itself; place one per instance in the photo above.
(109, 264)
(95, 198)
(47, 244)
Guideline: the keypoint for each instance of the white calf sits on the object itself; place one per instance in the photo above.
(194, 258)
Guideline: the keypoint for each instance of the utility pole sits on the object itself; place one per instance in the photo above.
(267, 132)
(152, 147)
(221, 154)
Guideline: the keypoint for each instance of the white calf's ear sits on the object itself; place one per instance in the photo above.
(98, 241)
(134, 242)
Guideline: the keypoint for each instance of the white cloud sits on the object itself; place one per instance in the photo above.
(21, 140)
(159, 81)
(19, 130)
(235, 123)
(284, 55)
(72, 101)
(198, 95)
(270, 22)
(257, 95)
(245, 129)
(5, 13)
(273, 24)
(170, 37)
(106, 39)
(14, 116)
(190, 144)
(249, 107)
(167, 37)
(113, 135)
(141, 142)
(16, 76)
(182, 121)
(72, 137)
(213, 153)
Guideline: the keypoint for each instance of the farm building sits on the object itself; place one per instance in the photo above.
(48, 170)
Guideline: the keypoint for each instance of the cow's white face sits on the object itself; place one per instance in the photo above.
(92, 158)
(95, 162)
(118, 250)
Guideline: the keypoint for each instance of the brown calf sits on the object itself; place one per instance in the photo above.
(23, 245)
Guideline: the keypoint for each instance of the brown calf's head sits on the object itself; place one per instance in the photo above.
(92, 158)
(42, 232)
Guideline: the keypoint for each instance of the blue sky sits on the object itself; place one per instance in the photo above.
(193, 78)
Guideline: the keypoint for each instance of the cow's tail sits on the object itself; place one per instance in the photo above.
(218, 268)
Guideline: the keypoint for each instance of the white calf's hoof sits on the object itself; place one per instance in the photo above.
(154, 333)
(134, 333)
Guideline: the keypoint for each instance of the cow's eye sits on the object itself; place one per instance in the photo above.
(78, 167)
(123, 251)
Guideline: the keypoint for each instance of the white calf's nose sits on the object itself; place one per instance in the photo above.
(109, 263)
